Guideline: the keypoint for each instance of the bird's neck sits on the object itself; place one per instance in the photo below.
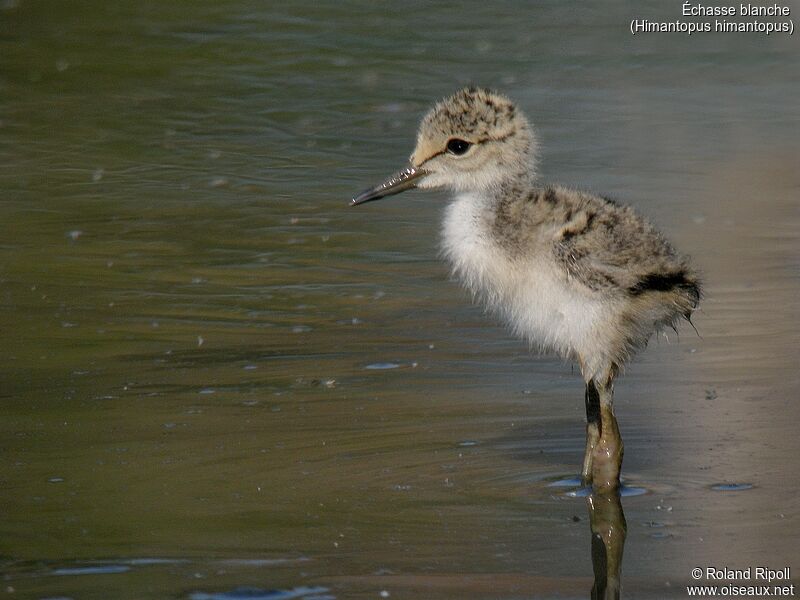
(489, 196)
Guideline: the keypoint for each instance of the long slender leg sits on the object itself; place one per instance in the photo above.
(593, 425)
(607, 453)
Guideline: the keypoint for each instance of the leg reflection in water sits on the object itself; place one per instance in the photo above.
(608, 540)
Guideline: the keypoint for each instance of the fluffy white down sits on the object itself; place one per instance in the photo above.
(537, 299)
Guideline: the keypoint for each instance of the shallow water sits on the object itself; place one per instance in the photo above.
(218, 380)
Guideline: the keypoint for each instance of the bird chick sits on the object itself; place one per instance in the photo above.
(569, 271)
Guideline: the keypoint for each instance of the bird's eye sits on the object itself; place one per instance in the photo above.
(457, 146)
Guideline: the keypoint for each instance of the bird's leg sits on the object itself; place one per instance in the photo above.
(592, 399)
(607, 453)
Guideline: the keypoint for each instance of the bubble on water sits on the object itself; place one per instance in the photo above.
(731, 487)
(218, 182)
(301, 329)
(207, 391)
(468, 443)
(92, 570)
(97, 175)
(382, 365)
(249, 593)
(56, 480)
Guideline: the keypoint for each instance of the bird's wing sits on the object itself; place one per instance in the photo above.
(610, 248)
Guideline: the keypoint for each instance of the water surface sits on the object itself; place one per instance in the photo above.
(197, 333)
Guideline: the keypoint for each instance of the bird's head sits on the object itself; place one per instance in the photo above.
(470, 141)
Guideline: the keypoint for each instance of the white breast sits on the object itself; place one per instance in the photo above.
(531, 292)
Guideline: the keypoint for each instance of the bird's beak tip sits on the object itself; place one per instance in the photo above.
(399, 182)
(364, 196)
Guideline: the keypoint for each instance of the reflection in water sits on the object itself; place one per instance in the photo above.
(608, 540)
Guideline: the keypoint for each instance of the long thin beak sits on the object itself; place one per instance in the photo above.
(399, 182)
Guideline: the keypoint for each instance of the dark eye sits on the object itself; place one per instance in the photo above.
(457, 146)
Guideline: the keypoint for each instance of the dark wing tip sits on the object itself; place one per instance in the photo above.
(667, 282)
(658, 282)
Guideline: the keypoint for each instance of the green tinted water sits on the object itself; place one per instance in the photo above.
(216, 375)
